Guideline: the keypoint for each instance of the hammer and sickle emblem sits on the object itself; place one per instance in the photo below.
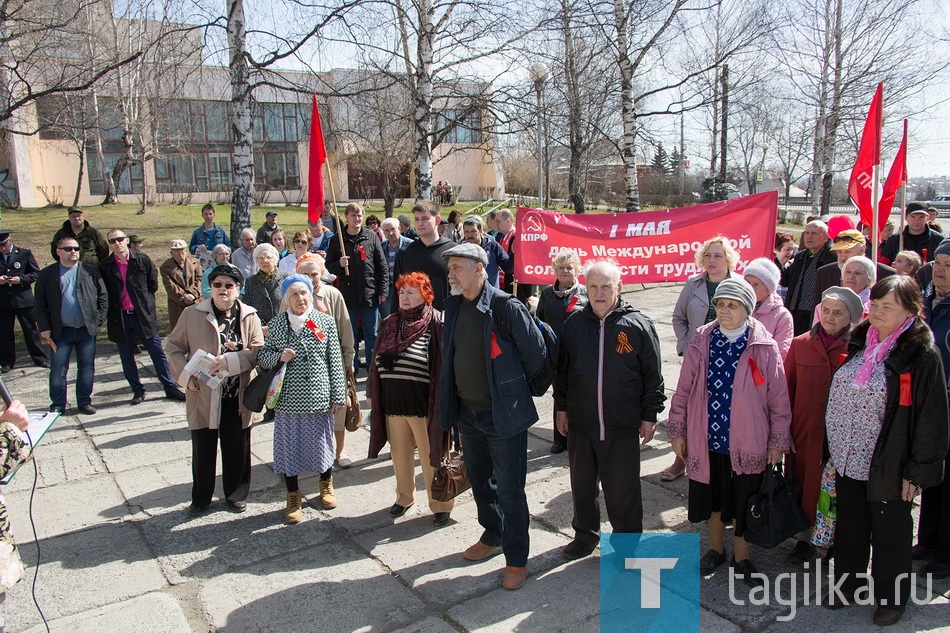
(623, 345)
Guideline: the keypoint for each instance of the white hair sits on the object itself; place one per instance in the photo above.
(817, 224)
(246, 232)
(220, 248)
(606, 267)
(265, 248)
(389, 222)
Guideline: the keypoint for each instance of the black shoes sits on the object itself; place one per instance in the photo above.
(557, 448)
(88, 409)
(577, 549)
(237, 507)
(197, 511)
(886, 617)
(175, 394)
(6, 368)
(747, 572)
(937, 570)
(55, 409)
(803, 551)
(710, 561)
(397, 510)
(138, 398)
(440, 518)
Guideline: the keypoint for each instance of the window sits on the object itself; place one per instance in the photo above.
(129, 182)
(463, 127)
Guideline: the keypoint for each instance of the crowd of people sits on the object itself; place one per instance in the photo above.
(818, 356)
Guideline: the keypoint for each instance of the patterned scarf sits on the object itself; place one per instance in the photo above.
(400, 330)
(876, 350)
(804, 296)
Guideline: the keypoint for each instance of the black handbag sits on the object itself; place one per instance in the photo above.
(773, 515)
(255, 394)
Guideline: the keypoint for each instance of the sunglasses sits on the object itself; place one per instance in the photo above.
(301, 241)
(116, 240)
(69, 249)
(847, 239)
(221, 284)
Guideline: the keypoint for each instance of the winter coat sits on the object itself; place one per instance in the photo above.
(369, 273)
(509, 367)
(912, 444)
(690, 310)
(90, 293)
(808, 370)
(20, 264)
(266, 299)
(609, 376)
(776, 318)
(760, 417)
(438, 439)
(553, 309)
(198, 329)
(314, 379)
(178, 285)
(93, 247)
(141, 284)
(928, 241)
(796, 268)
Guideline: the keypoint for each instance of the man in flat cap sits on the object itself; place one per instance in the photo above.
(181, 276)
(490, 347)
(18, 272)
(92, 245)
(136, 243)
(267, 229)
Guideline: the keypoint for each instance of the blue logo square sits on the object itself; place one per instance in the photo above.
(649, 582)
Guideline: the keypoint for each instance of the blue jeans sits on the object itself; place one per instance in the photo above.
(153, 345)
(84, 343)
(364, 318)
(497, 468)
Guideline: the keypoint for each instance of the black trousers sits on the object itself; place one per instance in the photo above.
(933, 529)
(235, 457)
(30, 334)
(881, 531)
(616, 463)
(558, 438)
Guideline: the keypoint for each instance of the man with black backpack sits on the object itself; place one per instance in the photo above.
(492, 350)
(608, 393)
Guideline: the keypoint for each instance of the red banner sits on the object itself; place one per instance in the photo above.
(650, 247)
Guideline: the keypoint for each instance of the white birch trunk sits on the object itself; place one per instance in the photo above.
(628, 110)
(422, 95)
(239, 119)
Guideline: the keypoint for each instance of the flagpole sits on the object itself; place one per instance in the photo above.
(875, 200)
(903, 206)
(336, 215)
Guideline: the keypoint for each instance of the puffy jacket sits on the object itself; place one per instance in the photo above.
(912, 444)
(369, 272)
(508, 372)
(776, 318)
(760, 418)
(609, 378)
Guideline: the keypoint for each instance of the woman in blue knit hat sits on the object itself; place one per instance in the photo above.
(314, 388)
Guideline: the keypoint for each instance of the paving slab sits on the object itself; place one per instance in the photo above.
(330, 588)
(59, 462)
(84, 570)
(140, 447)
(154, 611)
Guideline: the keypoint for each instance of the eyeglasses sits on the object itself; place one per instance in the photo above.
(221, 284)
(69, 249)
(301, 241)
(116, 240)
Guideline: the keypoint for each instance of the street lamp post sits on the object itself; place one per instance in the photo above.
(539, 75)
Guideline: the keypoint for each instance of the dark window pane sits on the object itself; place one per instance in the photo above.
(216, 113)
(273, 122)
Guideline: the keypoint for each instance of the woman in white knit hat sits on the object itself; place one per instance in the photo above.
(770, 310)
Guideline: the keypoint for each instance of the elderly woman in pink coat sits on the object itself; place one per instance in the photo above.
(729, 417)
(763, 275)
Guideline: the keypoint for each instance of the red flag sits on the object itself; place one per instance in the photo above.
(869, 155)
(896, 178)
(316, 197)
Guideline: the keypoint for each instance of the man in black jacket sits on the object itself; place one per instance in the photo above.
(92, 245)
(18, 271)
(918, 236)
(132, 281)
(801, 276)
(608, 393)
(363, 277)
(424, 255)
(71, 304)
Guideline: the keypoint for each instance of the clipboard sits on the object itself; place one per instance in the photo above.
(40, 423)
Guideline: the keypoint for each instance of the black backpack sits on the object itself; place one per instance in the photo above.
(542, 381)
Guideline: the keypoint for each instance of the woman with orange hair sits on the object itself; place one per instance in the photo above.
(404, 393)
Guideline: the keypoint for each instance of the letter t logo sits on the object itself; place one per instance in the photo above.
(650, 569)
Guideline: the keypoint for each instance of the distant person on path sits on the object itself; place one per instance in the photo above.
(267, 229)
(498, 259)
(918, 236)
(243, 257)
(801, 275)
(207, 236)
(608, 393)
(132, 281)
(181, 276)
(70, 304)
(18, 272)
(392, 243)
(230, 331)
(93, 247)
(425, 254)
(314, 390)
(484, 389)
(558, 302)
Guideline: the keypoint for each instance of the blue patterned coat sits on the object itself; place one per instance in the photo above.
(314, 379)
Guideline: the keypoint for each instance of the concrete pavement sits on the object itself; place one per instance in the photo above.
(118, 551)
